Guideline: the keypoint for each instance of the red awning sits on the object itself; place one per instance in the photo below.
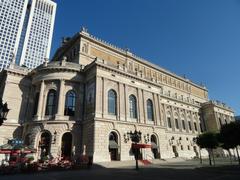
(16, 151)
(138, 146)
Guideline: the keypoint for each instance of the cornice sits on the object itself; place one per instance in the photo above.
(128, 54)
(138, 78)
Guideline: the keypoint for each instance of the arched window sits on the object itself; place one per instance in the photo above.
(133, 106)
(112, 102)
(70, 103)
(51, 103)
(150, 110)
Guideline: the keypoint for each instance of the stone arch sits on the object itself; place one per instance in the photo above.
(44, 144)
(154, 139)
(66, 145)
(114, 146)
(168, 113)
(176, 115)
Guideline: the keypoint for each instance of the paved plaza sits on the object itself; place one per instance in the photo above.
(170, 169)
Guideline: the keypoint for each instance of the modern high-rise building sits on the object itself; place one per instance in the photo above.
(26, 28)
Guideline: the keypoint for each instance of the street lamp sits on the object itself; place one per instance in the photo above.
(3, 111)
(135, 138)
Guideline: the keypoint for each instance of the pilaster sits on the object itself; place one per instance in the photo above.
(61, 104)
(40, 101)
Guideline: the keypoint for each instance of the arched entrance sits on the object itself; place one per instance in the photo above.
(113, 147)
(66, 145)
(154, 146)
(45, 144)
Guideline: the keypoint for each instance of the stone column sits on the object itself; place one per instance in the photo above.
(141, 105)
(119, 100)
(172, 119)
(61, 100)
(103, 98)
(164, 120)
(99, 95)
(198, 124)
(126, 102)
(156, 110)
(40, 101)
(192, 123)
(186, 121)
(180, 121)
(122, 105)
(138, 106)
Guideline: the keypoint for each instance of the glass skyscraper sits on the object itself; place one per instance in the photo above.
(26, 28)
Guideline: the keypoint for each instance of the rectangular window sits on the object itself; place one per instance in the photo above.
(189, 125)
(183, 125)
(176, 123)
(195, 126)
(169, 122)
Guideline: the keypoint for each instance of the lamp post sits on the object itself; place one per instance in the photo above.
(3, 111)
(135, 138)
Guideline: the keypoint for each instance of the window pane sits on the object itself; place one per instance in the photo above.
(150, 110)
(190, 126)
(183, 124)
(169, 122)
(132, 106)
(70, 103)
(112, 100)
(195, 126)
(51, 103)
(176, 123)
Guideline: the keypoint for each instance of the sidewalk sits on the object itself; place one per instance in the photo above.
(132, 163)
(177, 163)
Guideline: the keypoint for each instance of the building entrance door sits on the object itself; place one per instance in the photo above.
(154, 146)
(113, 154)
(67, 145)
(113, 146)
(44, 144)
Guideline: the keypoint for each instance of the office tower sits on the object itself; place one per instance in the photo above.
(26, 28)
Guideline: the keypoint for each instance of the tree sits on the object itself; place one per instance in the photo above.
(230, 136)
(209, 141)
(223, 143)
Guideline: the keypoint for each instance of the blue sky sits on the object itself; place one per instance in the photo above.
(196, 38)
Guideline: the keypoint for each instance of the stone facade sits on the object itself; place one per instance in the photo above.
(91, 68)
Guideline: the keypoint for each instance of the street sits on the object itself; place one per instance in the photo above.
(165, 171)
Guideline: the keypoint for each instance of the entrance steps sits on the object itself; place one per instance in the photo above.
(145, 162)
